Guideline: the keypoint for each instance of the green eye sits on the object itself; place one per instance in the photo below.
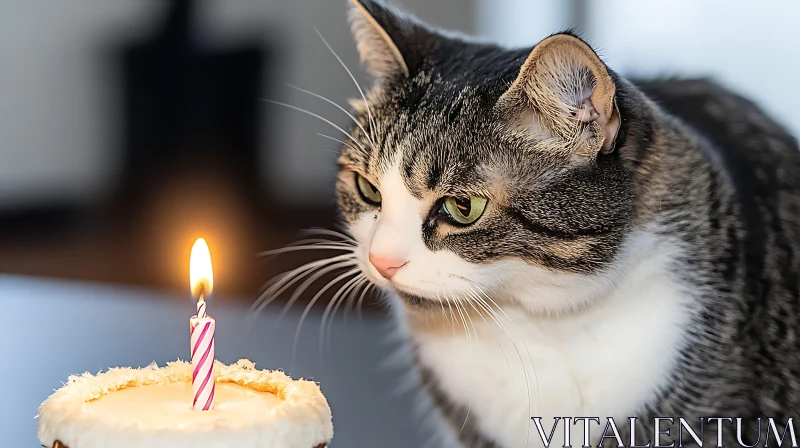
(368, 191)
(464, 210)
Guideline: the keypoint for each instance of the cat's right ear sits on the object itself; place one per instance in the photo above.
(565, 94)
(375, 29)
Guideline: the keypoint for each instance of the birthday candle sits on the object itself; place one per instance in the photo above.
(202, 345)
(202, 328)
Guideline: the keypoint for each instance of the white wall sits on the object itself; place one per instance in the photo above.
(56, 124)
(58, 121)
(521, 23)
(748, 45)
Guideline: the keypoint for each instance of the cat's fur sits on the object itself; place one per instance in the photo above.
(639, 251)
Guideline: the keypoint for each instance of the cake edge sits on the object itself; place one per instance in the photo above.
(80, 389)
(58, 444)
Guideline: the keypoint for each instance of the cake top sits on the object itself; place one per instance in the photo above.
(255, 408)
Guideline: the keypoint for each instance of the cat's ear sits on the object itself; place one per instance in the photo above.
(376, 29)
(565, 95)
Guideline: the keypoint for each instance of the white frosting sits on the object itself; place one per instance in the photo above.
(166, 406)
(151, 407)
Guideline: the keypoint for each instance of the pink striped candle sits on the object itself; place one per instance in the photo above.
(202, 328)
(202, 344)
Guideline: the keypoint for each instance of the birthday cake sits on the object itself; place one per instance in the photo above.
(152, 407)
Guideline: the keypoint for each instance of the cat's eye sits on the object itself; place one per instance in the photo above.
(464, 210)
(368, 191)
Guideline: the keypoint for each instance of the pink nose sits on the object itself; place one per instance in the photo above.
(387, 266)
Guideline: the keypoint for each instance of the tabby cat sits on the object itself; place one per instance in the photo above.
(560, 241)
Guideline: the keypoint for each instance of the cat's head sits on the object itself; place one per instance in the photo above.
(476, 170)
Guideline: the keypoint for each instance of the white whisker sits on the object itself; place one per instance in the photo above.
(337, 297)
(303, 286)
(319, 117)
(288, 278)
(499, 345)
(339, 107)
(441, 305)
(452, 315)
(318, 240)
(469, 409)
(337, 140)
(283, 275)
(495, 304)
(363, 286)
(351, 305)
(329, 232)
(358, 86)
(360, 303)
(496, 317)
(311, 304)
(463, 321)
(317, 246)
(291, 277)
(466, 313)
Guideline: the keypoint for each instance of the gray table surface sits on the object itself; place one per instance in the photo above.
(51, 329)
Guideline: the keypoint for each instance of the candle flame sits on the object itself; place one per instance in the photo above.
(201, 276)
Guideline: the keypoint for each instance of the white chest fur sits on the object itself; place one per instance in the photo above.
(606, 360)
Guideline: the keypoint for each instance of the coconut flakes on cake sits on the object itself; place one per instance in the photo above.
(301, 420)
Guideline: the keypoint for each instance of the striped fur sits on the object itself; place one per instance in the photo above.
(699, 173)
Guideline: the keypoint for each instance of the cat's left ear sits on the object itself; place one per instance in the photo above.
(564, 93)
(375, 29)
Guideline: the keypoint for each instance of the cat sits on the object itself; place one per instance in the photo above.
(559, 241)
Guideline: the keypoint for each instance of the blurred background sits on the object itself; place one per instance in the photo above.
(129, 128)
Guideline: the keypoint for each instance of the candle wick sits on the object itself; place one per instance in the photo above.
(201, 305)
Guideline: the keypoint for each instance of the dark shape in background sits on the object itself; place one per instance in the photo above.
(191, 140)
(191, 150)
